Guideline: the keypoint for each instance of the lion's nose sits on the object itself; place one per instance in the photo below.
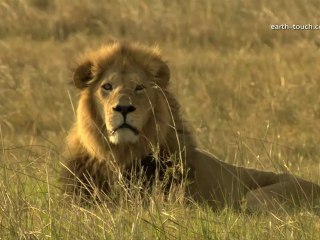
(124, 110)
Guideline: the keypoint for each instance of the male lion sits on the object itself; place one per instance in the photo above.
(126, 116)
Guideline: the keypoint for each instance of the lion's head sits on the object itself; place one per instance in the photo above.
(127, 119)
(123, 100)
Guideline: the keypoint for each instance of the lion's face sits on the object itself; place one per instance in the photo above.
(125, 99)
(124, 84)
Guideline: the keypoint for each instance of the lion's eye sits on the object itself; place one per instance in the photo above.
(107, 87)
(139, 88)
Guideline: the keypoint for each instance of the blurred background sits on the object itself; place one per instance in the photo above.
(247, 90)
(250, 93)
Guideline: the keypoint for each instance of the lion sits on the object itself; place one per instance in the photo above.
(127, 120)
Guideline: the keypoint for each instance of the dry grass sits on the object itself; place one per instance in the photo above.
(252, 95)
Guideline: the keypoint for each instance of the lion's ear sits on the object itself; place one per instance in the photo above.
(160, 72)
(82, 75)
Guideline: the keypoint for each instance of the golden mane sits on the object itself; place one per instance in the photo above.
(90, 127)
(164, 133)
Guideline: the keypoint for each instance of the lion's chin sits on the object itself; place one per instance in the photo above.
(122, 136)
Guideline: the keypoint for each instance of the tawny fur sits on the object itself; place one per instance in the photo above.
(94, 158)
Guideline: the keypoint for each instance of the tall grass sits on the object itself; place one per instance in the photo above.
(251, 94)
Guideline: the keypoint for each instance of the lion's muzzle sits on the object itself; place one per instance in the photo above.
(124, 129)
(124, 110)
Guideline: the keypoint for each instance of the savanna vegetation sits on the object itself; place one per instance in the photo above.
(250, 93)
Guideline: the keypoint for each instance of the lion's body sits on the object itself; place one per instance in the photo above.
(126, 114)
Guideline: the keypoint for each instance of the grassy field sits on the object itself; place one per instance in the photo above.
(251, 94)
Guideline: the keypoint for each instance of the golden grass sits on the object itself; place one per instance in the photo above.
(251, 94)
